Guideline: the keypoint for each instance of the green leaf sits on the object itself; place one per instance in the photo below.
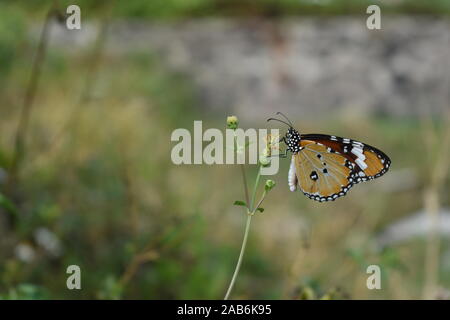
(240, 203)
(260, 210)
(6, 204)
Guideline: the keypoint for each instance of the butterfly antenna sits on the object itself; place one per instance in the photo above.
(282, 114)
(289, 125)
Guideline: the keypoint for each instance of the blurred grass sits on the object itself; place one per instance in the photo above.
(140, 227)
(178, 9)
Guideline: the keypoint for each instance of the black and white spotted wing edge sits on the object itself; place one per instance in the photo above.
(354, 148)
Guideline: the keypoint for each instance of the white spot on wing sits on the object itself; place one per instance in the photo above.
(361, 164)
(358, 152)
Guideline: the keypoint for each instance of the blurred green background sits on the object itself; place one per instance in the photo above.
(86, 176)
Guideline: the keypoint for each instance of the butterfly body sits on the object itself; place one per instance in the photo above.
(326, 167)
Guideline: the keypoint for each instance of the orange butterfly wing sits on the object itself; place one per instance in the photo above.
(322, 173)
(370, 162)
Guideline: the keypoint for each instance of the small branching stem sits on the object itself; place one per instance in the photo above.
(255, 188)
(260, 201)
(244, 180)
(251, 209)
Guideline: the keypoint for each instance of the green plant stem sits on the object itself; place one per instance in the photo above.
(241, 255)
(260, 201)
(250, 212)
(29, 98)
(255, 188)
(244, 179)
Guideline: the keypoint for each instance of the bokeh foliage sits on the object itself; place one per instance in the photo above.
(97, 187)
(176, 9)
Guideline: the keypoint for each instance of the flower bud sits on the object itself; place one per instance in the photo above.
(264, 160)
(232, 122)
(270, 184)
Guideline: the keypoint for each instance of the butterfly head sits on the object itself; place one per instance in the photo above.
(292, 140)
(292, 137)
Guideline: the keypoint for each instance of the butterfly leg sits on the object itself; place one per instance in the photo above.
(280, 155)
(283, 155)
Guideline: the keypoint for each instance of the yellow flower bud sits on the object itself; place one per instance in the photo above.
(232, 122)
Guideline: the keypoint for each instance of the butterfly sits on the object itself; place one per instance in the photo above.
(326, 167)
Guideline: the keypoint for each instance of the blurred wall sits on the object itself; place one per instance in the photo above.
(305, 66)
